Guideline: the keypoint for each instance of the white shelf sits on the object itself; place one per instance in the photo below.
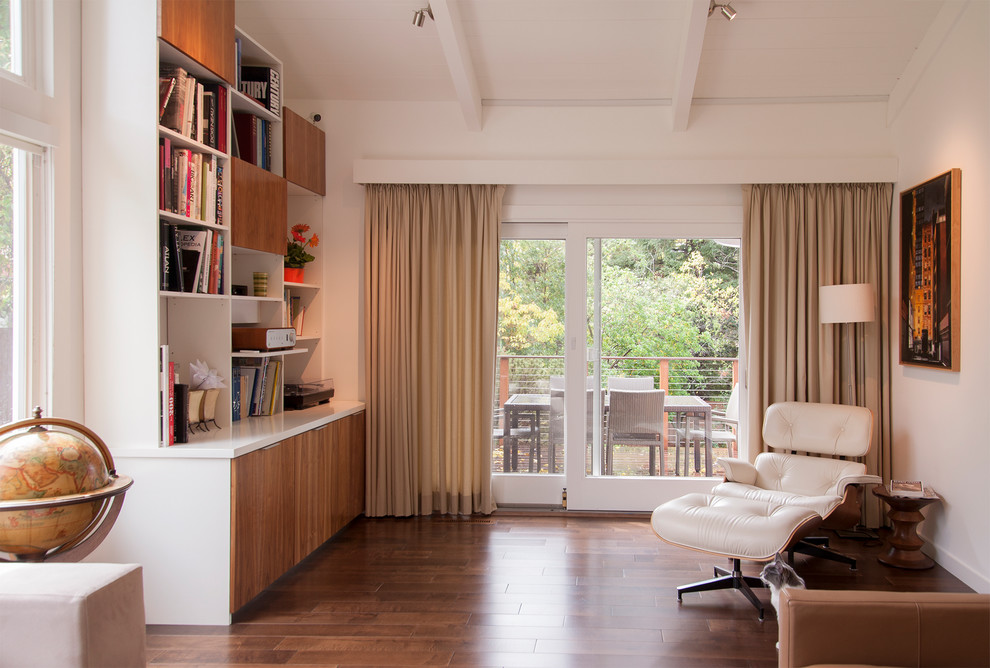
(183, 141)
(309, 286)
(254, 354)
(239, 102)
(250, 298)
(186, 220)
(190, 295)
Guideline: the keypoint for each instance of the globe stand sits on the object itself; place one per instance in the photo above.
(110, 497)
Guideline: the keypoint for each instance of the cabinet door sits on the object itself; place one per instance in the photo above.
(204, 31)
(350, 478)
(259, 201)
(262, 526)
(312, 490)
(304, 151)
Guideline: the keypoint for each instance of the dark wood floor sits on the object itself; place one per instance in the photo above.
(518, 589)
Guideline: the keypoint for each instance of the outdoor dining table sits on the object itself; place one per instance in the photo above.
(684, 410)
(688, 409)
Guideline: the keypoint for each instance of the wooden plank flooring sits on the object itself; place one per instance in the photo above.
(518, 589)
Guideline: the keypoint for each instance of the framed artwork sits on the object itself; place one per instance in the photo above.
(930, 290)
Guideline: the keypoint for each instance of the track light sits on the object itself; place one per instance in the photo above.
(420, 16)
(725, 9)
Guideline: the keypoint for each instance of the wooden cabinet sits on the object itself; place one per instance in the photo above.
(304, 147)
(314, 461)
(261, 526)
(290, 498)
(259, 201)
(204, 31)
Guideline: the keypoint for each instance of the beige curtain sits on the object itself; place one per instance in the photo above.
(431, 285)
(797, 237)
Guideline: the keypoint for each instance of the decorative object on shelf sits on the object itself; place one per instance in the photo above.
(296, 255)
(930, 272)
(203, 400)
(294, 274)
(59, 492)
(260, 284)
(307, 395)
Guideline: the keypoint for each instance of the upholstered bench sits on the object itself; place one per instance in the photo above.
(734, 528)
(71, 615)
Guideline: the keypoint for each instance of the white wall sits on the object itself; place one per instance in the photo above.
(849, 133)
(941, 419)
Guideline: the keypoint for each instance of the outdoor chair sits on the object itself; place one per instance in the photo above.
(555, 424)
(529, 432)
(724, 425)
(630, 383)
(636, 417)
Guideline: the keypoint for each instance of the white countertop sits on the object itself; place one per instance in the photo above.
(248, 434)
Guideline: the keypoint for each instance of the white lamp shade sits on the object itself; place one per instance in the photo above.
(853, 302)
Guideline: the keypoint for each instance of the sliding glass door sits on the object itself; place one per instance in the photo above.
(615, 354)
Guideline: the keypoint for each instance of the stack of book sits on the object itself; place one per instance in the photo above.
(191, 259)
(258, 390)
(194, 109)
(253, 140)
(189, 183)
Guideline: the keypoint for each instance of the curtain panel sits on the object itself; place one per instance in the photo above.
(796, 238)
(431, 289)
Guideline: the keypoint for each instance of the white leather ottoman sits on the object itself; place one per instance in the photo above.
(71, 615)
(734, 528)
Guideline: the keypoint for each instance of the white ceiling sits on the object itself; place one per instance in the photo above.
(662, 52)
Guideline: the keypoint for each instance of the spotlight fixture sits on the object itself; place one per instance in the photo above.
(420, 16)
(725, 9)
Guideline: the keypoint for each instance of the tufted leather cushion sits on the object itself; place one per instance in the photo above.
(828, 429)
(736, 528)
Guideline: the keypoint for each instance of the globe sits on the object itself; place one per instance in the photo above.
(54, 487)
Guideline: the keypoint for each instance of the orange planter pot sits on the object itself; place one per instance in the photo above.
(294, 274)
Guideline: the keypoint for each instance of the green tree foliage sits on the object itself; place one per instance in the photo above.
(6, 234)
(5, 41)
(531, 298)
(660, 298)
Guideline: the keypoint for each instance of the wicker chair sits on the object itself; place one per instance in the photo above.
(636, 417)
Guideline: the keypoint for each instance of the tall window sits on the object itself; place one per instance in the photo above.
(11, 42)
(24, 293)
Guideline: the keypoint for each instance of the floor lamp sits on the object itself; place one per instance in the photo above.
(849, 303)
(842, 304)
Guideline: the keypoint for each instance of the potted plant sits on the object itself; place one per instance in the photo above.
(296, 255)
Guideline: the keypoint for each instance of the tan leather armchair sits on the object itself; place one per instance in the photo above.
(877, 628)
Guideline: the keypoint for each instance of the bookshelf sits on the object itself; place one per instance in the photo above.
(193, 545)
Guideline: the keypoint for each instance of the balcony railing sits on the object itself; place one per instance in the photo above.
(710, 378)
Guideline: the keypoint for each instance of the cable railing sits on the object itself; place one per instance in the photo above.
(711, 378)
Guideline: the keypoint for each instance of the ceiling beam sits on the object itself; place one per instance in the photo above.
(930, 44)
(688, 62)
(446, 14)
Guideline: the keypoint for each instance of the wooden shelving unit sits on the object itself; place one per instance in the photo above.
(193, 546)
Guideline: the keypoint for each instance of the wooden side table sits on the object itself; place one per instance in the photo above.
(904, 543)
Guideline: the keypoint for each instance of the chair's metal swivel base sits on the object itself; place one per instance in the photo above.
(817, 546)
(725, 579)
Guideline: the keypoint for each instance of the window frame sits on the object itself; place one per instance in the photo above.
(32, 293)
